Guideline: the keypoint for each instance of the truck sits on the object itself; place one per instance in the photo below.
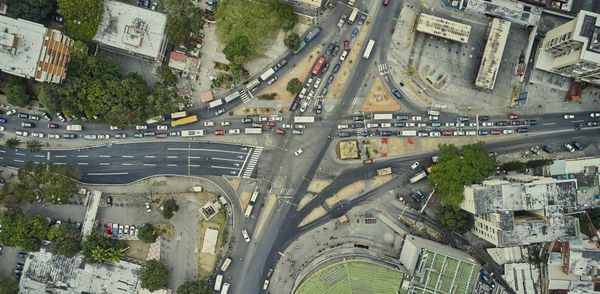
(383, 116)
(312, 34)
(267, 75)
(352, 17)
(215, 103)
(302, 45)
(193, 133)
(368, 50)
(407, 133)
(417, 177)
(180, 114)
(384, 171)
(248, 211)
(75, 128)
(304, 119)
(232, 96)
(252, 84)
(280, 64)
(253, 131)
(433, 112)
(155, 119)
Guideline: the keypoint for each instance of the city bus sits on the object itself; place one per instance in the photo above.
(318, 66)
(368, 49)
(218, 282)
(180, 114)
(183, 121)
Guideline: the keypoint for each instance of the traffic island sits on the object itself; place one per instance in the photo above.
(347, 150)
(379, 98)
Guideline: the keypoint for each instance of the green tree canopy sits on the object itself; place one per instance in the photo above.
(49, 98)
(452, 220)
(292, 41)
(47, 182)
(65, 239)
(154, 275)
(12, 143)
(513, 166)
(194, 287)
(184, 21)
(16, 91)
(294, 86)
(34, 145)
(166, 76)
(33, 10)
(456, 168)
(82, 17)
(169, 208)
(100, 249)
(17, 230)
(236, 50)
(9, 286)
(148, 233)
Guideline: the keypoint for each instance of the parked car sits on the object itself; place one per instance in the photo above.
(52, 126)
(219, 132)
(569, 147)
(569, 116)
(577, 145)
(414, 165)
(46, 116)
(34, 117)
(109, 201)
(346, 45)
(336, 68)
(547, 149)
(330, 48)
(69, 136)
(396, 93)
(141, 127)
(592, 123)
(162, 127)
(23, 115)
(513, 116)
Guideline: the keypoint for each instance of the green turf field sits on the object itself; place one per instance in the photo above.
(352, 276)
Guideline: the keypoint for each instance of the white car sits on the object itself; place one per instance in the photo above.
(569, 116)
(162, 127)
(449, 124)
(311, 94)
(414, 165)
(105, 136)
(471, 133)
(342, 127)
(487, 124)
(472, 125)
(126, 230)
(120, 229)
(275, 118)
(37, 135)
(386, 125)
(299, 152)
(434, 117)
(54, 136)
(112, 128)
(460, 125)
(2, 128)
(569, 147)
(595, 114)
(132, 230)
(286, 126)
(409, 124)
(246, 236)
(421, 125)
(263, 118)
(310, 80)
(141, 127)
(507, 132)
(225, 123)
(22, 133)
(209, 123)
(416, 117)
(299, 126)
(372, 125)
(148, 209)
(11, 112)
(234, 131)
(459, 133)
(435, 134)
(266, 285)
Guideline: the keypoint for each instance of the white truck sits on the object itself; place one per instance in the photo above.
(433, 112)
(232, 96)
(417, 177)
(215, 103)
(253, 131)
(383, 116)
(267, 75)
(75, 128)
(304, 119)
(252, 84)
(352, 17)
(408, 133)
(193, 133)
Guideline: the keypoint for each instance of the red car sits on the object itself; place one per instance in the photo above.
(346, 45)
(220, 132)
(52, 126)
(270, 273)
(280, 131)
(447, 133)
(199, 40)
(256, 125)
(270, 124)
(109, 228)
(513, 116)
(495, 132)
(369, 161)
(295, 105)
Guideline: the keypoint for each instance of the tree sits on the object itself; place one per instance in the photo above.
(65, 239)
(9, 286)
(456, 168)
(169, 208)
(12, 143)
(100, 249)
(166, 76)
(148, 233)
(194, 287)
(294, 86)
(236, 50)
(287, 17)
(238, 72)
(50, 98)
(33, 10)
(16, 91)
(154, 275)
(458, 221)
(539, 163)
(513, 166)
(17, 230)
(47, 182)
(34, 145)
(82, 17)
(292, 41)
(183, 19)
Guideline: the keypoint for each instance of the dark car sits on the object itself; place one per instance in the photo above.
(522, 130)
(531, 122)
(547, 149)
(364, 134)
(502, 123)
(28, 125)
(416, 197)
(516, 123)
(484, 118)
(358, 118)
(362, 19)
(319, 108)
(23, 115)
(52, 126)
(357, 125)
(483, 133)
(330, 79)
(246, 120)
(46, 116)
(20, 266)
(109, 201)
(295, 105)
(420, 194)
(592, 123)
(335, 50)
(175, 133)
(69, 136)
(401, 117)
(464, 118)
(495, 132)
(578, 146)
(398, 124)
(150, 134)
(336, 68)
(2, 121)
(330, 48)
(436, 124)
(325, 68)
(22, 255)
(343, 134)
(385, 133)
(396, 93)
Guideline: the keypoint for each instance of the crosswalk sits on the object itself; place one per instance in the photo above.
(383, 68)
(286, 191)
(252, 162)
(245, 95)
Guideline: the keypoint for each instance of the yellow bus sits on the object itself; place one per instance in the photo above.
(183, 121)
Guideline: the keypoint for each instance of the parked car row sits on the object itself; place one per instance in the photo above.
(431, 133)
(114, 229)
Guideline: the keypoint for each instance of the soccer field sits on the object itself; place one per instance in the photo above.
(352, 276)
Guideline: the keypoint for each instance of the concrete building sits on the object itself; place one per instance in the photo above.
(522, 277)
(132, 30)
(574, 266)
(30, 50)
(523, 210)
(509, 10)
(443, 28)
(573, 49)
(492, 54)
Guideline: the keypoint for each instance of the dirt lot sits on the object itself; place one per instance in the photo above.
(137, 249)
(345, 192)
(316, 186)
(347, 150)
(379, 92)
(166, 230)
(300, 72)
(206, 262)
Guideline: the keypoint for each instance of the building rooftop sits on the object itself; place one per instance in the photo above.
(522, 277)
(572, 166)
(510, 10)
(45, 272)
(443, 28)
(132, 29)
(574, 265)
(21, 45)
(492, 54)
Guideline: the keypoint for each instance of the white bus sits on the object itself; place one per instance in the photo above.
(232, 96)
(218, 282)
(192, 133)
(253, 197)
(252, 131)
(252, 84)
(226, 264)
(215, 103)
(180, 114)
(352, 17)
(383, 116)
(225, 288)
(248, 211)
(304, 119)
(368, 49)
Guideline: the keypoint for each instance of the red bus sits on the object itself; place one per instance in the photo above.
(318, 66)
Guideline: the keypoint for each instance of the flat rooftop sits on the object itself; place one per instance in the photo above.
(443, 28)
(21, 45)
(510, 10)
(133, 29)
(492, 55)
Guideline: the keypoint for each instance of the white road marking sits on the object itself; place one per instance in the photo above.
(60, 156)
(149, 164)
(104, 163)
(18, 160)
(107, 174)
(244, 164)
(171, 156)
(199, 149)
(149, 156)
(82, 163)
(127, 156)
(548, 124)
(21, 154)
(36, 162)
(577, 120)
(226, 159)
(127, 163)
(105, 156)
(41, 156)
(48, 156)
(224, 167)
(194, 165)
(171, 164)
(2, 151)
(59, 163)
(82, 156)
